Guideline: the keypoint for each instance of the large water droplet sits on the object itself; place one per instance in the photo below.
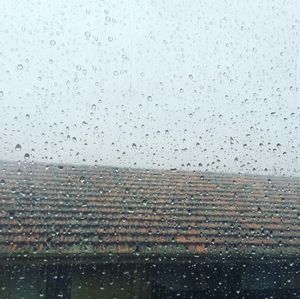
(18, 147)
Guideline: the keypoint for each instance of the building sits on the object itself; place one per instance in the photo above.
(96, 232)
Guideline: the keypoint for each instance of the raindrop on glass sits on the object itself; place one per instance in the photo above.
(18, 147)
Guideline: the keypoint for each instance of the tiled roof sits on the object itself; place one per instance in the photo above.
(75, 209)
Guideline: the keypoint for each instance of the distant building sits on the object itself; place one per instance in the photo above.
(95, 232)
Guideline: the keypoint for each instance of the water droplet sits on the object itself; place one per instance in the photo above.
(133, 145)
(52, 42)
(27, 116)
(20, 67)
(94, 107)
(26, 156)
(78, 67)
(87, 34)
(110, 38)
(74, 139)
(2, 182)
(190, 76)
(116, 73)
(18, 147)
(149, 98)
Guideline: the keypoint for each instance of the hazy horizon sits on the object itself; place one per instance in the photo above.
(175, 84)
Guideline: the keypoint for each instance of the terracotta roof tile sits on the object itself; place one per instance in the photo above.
(77, 209)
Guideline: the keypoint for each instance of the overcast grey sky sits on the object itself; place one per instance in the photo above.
(206, 85)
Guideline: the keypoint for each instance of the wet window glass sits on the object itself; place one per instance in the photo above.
(149, 149)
